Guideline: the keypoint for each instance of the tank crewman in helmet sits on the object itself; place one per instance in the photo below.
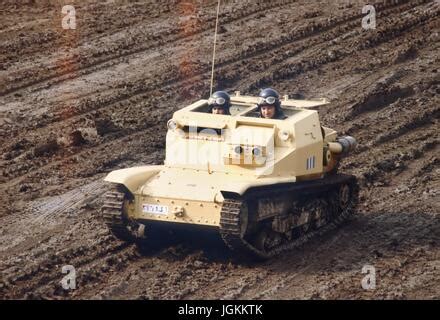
(269, 105)
(219, 103)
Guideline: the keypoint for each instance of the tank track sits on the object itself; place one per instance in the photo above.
(230, 226)
(113, 215)
(230, 229)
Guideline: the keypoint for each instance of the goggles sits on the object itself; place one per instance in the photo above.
(217, 101)
(268, 100)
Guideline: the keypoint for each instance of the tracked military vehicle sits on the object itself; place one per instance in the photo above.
(266, 185)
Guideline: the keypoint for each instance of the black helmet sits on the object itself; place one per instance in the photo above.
(270, 97)
(220, 99)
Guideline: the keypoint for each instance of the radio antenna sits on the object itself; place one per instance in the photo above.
(213, 53)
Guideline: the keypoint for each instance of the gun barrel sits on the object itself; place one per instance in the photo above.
(343, 145)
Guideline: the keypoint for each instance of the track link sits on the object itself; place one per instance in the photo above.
(113, 215)
(230, 229)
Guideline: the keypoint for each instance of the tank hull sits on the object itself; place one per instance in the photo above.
(261, 222)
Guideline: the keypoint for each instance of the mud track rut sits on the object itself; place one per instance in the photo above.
(119, 82)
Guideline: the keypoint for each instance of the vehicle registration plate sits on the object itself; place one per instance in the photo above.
(154, 209)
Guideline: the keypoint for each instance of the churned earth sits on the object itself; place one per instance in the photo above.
(76, 104)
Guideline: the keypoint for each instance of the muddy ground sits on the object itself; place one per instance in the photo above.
(76, 104)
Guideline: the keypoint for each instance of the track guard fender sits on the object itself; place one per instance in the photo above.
(235, 190)
(133, 178)
(240, 190)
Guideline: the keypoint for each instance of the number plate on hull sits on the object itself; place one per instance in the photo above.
(155, 209)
